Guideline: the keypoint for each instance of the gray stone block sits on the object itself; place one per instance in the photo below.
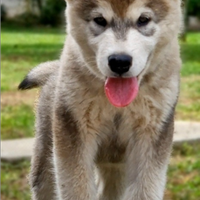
(14, 150)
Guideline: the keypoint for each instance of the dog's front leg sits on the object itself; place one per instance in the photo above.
(73, 158)
(147, 157)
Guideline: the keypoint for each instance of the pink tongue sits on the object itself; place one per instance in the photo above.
(121, 91)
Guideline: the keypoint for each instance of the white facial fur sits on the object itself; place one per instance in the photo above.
(136, 45)
(98, 43)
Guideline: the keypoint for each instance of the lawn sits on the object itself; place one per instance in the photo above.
(183, 176)
(22, 49)
(189, 102)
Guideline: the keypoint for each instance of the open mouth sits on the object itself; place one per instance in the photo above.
(121, 91)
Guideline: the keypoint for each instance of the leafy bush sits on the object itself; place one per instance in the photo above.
(26, 19)
(51, 12)
(194, 7)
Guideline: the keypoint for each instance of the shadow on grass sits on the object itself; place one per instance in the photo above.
(190, 52)
(16, 28)
(33, 51)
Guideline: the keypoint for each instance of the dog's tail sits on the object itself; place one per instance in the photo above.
(39, 75)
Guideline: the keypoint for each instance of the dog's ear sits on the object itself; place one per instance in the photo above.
(39, 75)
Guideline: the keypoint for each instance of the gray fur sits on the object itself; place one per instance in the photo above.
(87, 149)
(38, 76)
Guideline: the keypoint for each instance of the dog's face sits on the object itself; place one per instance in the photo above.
(119, 37)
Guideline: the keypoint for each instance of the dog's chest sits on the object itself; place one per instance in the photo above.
(113, 127)
(110, 127)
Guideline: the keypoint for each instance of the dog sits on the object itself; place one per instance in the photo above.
(105, 115)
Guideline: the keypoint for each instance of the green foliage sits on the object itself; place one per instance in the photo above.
(17, 121)
(24, 48)
(14, 181)
(190, 51)
(189, 101)
(183, 176)
(51, 12)
(194, 8)
(26, 19)
(21, 50)
(184, 173)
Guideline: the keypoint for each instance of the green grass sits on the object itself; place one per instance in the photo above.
(14, 181)
(17, 121)
(24, 48)
(183, 176)
(190, 51)
(184, 173)
(21, 50)
(189, 102)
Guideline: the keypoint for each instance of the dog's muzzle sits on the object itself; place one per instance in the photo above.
(119, 63)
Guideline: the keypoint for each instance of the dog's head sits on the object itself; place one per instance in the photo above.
(118, 38)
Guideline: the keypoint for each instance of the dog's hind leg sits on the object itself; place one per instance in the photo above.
(110, 181)
(42, 176)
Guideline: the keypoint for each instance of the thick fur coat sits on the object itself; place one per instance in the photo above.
(86, 148)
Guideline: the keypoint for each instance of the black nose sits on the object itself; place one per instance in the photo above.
(120, 63)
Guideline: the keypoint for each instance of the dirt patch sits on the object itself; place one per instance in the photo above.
(19, 97)
(191, 78)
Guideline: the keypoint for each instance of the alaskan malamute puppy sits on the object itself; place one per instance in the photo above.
(104, 122)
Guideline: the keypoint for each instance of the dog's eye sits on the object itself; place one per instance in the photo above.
(100, 21)
(143, 21)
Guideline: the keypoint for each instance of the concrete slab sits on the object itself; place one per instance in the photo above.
(186, 132)
(17, 149)
(14, 150)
